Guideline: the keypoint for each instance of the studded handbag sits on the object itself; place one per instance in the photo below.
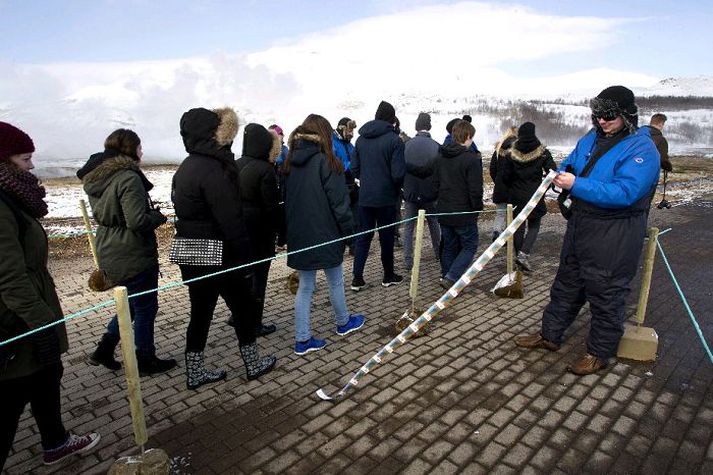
(196, 251)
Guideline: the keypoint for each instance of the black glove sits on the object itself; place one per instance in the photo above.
(47, 348)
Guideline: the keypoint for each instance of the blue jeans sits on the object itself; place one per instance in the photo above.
(370, 218)
(143, 312)
(303, 300)
(459, 246)
(434, 229)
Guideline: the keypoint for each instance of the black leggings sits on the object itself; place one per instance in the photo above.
(524, 242)
(41, 390)
(236, 289)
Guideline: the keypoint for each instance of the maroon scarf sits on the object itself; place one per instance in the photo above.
(24, 187)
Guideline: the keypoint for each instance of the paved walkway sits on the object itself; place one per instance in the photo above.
(463, 399)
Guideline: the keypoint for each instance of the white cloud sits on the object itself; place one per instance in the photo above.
(450, 51)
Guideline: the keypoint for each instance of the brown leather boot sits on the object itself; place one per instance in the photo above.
(535, 341)
(587, 364)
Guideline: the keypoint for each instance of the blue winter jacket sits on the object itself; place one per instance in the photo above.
(343, 149)
(622, 176)
(378, 163)
(449, 139)
(283, 155)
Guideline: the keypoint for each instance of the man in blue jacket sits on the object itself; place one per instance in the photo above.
(378, 164)
(605, 232)
(344, 150)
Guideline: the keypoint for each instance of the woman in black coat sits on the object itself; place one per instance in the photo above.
(260, 197)
(317, 212)
(206, 197)
(501, 194)
(528, 163)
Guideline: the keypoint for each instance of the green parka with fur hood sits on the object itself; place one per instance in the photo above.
(126, 238)
(28, 299)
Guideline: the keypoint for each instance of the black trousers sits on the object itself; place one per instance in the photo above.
(599, 258)
(259, 286)
(41, 390)
(236, 290)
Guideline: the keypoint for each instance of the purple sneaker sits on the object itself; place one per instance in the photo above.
(354, 323)
(75, 444)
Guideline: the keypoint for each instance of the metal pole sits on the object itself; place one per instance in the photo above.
(90, 232)
(511, 243)
(131, 369)
(649, 258)
(413, 290)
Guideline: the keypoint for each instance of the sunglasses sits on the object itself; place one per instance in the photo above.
(608, 117)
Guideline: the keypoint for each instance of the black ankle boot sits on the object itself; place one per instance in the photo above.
(263, 330)
(104, 354)
(154, 365)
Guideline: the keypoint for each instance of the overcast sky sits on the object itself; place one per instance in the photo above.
(659, 38)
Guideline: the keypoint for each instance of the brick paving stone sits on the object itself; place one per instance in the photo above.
(490, 454)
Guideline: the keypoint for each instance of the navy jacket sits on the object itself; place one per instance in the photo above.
(317, 205)
(420, 155)
(378, 163)
(458, 178)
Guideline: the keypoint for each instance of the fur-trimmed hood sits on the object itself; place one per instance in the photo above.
(209, 132)
(520, 157)
(96, 181)
(303, 146)
(505, 143)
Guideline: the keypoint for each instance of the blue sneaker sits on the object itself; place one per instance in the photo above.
(355, 322)
(313, 344)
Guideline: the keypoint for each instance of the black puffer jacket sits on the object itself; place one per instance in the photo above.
(317, 207)
(523, 174)
(501, 193)
(258, 188)
(206, 187)
(458, 179)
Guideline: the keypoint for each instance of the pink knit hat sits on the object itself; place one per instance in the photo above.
(14, 141)
(277, 129)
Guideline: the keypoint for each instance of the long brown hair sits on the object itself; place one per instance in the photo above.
(124, 141)
(315, 128)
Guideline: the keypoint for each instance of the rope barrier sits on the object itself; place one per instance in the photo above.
(685, 302)
(447, 298)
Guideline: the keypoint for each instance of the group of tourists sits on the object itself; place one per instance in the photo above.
(314, 192)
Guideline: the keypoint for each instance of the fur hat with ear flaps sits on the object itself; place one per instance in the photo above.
(227, 126)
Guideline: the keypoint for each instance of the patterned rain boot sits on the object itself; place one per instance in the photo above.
(254, 364)
(197, 375)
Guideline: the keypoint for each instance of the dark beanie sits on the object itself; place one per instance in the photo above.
(385, 112)
(451, 123)
(14, 141)
(423, 121)
(468, 118)
(617, 101)
(257, 141)
(527, 141)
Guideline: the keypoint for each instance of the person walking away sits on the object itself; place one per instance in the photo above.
(605, 232)
(501, 194)
(317, 212)
(206, 196)
(420, 154)
(379, 165)
(344, 150)
(30, 367)
(260, 198)
(459, 187)
(126, 245)
(655, 129)
(281, 226)
(529, 161)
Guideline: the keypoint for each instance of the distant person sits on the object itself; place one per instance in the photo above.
(126, 244)
(529, 161)
(379, 166)
(655, 128)
(317, 212)
(605, 232)
(260, 199)
(344, 150)
(206, 196)
(281, 243)
(420, 154)
(458, 179)
(31, 367)
(501, 194)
